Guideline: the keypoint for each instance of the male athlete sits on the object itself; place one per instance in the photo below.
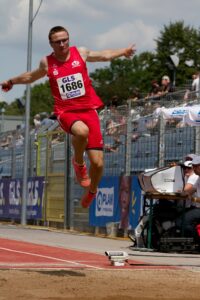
(75, 102)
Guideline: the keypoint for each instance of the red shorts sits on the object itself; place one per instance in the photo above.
(91, 119)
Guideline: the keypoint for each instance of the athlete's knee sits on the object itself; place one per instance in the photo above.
(97, 163)
(81, 131)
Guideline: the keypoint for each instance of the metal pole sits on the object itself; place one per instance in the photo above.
(27, 118)
(2, 119)
(128, 142)
(197, 140)
(161, 142)
(68, 205)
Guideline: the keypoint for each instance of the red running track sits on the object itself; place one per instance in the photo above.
(23, 255)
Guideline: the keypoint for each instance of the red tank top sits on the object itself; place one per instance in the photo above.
(70, 84)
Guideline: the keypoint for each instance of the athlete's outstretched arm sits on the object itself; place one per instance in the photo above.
(27, 77)
(106, 55)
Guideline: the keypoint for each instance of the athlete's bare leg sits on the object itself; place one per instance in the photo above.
(80, 133)
(79, 141)
(96, 168)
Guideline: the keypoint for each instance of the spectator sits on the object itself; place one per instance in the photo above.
(195, 84)
(134, 97)
(122, 129)
(190, 179)
(113, 129)
(46, 121)
(135, 131)
(37, 121)
(114, 102)
(189, 156)
(37, 124)
(6, 141)
(111, 148)
(192, 216)
(19, 139)
(188, 95)
(155, 90)
(58, 137)
(166, 86)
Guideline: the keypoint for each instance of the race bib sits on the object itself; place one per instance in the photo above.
(71, 86)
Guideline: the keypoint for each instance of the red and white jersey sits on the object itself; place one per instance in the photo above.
(70, 84)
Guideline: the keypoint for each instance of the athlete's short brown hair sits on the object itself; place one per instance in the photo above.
(56, 29)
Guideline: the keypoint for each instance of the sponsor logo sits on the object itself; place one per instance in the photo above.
(68, 79)
(55, 72)
(105, 202)
(14, 192)
(179, 112)
(75, 64)
(73, 94)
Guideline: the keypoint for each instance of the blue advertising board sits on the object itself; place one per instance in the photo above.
(11, 198)
(118, 200)
(105, 208)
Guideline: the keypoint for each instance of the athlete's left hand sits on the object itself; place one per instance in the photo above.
(130, 51)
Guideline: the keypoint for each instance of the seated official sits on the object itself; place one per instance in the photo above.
(192, 213)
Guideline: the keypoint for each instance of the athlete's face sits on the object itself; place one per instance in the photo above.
(60, 42)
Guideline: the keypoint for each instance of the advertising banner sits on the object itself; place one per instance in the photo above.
(189, 114)
(105, 207)
(11, 198)
(118, 201)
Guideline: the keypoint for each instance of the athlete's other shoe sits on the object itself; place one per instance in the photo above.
(87, 199)
(81, 174)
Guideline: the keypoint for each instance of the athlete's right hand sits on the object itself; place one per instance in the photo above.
(6, 85)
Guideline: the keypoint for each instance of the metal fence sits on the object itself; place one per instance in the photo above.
(135, 139)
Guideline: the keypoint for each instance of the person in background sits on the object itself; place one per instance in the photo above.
(192, 215)
(46, 121)
(154, 91)
(196, 84)
(37, 125)
(166, 86)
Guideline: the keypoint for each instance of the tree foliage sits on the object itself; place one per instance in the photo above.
(182, 41)
(41, 99)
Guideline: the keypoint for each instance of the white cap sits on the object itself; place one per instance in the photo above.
(190, 156)
(196, 160)
(165, 77)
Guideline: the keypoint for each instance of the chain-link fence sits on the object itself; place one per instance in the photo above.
(135, 139)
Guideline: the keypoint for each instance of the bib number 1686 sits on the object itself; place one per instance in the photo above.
(71, 86)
